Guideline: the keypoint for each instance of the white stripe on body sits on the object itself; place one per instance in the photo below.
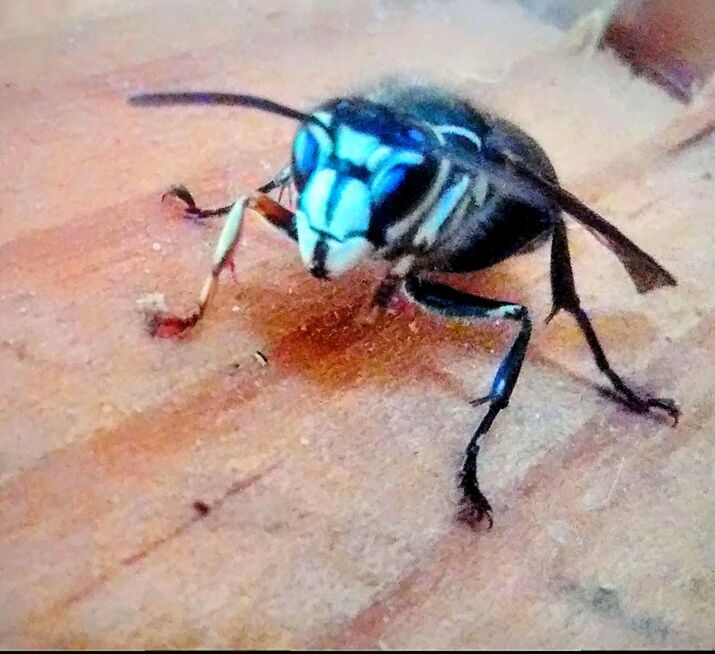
(444, 208)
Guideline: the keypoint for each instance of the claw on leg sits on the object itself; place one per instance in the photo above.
(667, 405)
(646, 405)
(473, 510)
(182, 193)
(168, 325)
(192, 211)
(474, 506)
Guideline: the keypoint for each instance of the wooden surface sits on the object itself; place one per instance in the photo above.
(330, 472)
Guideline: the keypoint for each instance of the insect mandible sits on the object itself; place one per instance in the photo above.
(412, 175)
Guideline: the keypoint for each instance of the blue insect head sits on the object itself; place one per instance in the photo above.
(357, 169)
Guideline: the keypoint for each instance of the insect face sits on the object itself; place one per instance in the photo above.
(361, 174)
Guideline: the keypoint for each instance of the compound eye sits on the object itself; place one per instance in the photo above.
(306, 152)
(398, 189)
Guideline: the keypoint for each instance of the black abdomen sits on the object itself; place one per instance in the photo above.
(507, 225)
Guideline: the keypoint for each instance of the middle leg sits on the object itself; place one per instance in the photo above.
(449, 302)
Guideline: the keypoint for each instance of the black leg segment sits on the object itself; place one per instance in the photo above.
(273, 212)
(192, 211)
(449, 302)
(565, 297)
(385, 290)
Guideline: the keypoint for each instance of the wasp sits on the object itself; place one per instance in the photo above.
(410, 174)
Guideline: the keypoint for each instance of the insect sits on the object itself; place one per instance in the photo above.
(412, 175)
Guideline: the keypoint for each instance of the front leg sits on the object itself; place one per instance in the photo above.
(387, 288)
(384, 292)
(193, 212)
(168, 325)
(449, 302)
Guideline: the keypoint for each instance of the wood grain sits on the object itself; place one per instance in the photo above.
(327, 477)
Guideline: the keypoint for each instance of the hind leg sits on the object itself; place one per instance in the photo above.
(565, 297)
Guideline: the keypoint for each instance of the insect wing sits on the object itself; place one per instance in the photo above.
(512, 177)
(647, 274)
